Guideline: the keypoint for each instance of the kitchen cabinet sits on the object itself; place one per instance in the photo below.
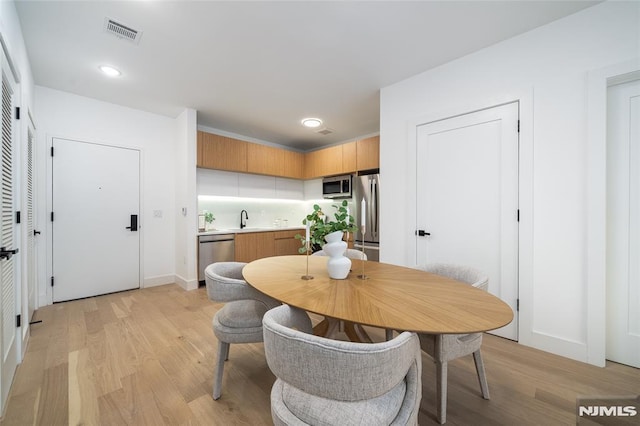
(286, 243)
(323, 162)
(221, 153)
(292, 164)
(267, 160)
(368, 153)
(250, 246)
(349, 159)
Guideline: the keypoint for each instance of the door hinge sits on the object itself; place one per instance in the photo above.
(52, 151)
(17, 113)
(18, 321)
(518, 126)
(518, 215)
(51, 216)
(51, 281)
(517, 305)
(18, 217)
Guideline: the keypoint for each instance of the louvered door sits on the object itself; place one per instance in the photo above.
(7, 241)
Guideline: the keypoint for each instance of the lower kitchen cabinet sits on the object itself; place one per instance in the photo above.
(250, 246)
(286, 243)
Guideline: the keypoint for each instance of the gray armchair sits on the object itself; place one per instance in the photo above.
(447, 347)
(240, 319)
(329, 382)
(350, 253)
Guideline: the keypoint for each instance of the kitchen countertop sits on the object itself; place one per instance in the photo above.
(249, 229)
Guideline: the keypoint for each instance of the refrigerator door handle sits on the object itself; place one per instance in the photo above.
(374, 207)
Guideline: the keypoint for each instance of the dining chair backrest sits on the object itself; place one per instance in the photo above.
(350, 253)
(465, 274)
(337, 376)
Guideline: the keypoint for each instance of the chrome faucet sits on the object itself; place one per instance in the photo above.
(246, 217)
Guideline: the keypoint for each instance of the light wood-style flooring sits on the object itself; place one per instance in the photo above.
(146, 357)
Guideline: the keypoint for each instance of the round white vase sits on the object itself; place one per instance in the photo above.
(338, 265)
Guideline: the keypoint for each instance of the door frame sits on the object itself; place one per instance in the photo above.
(525, 194)
(598, 82)
(49, 225)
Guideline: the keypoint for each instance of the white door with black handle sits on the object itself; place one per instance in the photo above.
(96, 229)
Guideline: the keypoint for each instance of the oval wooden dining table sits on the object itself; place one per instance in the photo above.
(392, 297)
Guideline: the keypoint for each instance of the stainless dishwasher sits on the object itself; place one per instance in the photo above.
(214, 248)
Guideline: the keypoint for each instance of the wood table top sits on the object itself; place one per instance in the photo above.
(393, 297)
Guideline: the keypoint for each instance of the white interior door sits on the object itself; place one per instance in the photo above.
(96, 195)
(8, 340)
(623, 224)
(30, 231)
(467, 197)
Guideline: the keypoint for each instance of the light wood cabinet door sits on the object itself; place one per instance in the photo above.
(250, 246)
(264, 160)
(349, 159)
(286, 242)
(245, 247)
(324, 162)
(292, 164)
(368, 153)
(221, 153)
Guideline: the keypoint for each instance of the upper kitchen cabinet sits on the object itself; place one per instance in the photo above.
(221, 153)
(224, 153)
(329, 161)
(267, 160)
(368, 153)
(349, 159)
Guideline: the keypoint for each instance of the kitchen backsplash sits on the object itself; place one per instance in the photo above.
(263, 213)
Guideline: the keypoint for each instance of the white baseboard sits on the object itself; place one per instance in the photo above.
(186, 284)
(159, 280)
(556, 345)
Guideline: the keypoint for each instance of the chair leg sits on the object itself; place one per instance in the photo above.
(223, 353)
(226, 352)
(388, 334)
(482, 378)
(441, 391)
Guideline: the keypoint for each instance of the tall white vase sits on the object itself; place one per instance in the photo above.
(338, 265)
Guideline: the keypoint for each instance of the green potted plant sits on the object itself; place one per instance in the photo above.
(209, 218)
(320, 225)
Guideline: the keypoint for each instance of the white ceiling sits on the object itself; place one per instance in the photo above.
(257, 68)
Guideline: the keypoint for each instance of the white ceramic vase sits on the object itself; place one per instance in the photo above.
(338, 265)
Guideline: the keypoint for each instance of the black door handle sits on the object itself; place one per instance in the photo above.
(6, 254)
(422, 233)
(134, 223)
(36, 232)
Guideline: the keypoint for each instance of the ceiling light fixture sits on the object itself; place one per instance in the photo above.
(311, 122)
(110, 71)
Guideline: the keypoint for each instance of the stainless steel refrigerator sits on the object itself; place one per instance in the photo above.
(367, 187)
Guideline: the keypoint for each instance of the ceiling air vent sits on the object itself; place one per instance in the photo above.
(325, 131)
(121, 31)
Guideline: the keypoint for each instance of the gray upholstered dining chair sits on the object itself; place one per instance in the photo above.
(240, 319)
(350, 253)
(447, 347)
(330, 382)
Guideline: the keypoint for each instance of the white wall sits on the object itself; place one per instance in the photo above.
(70, 116)
(186, 205)
(547, 70)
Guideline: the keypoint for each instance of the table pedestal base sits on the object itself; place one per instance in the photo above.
(329, 327)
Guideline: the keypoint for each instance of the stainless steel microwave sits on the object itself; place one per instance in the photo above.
(337, 186)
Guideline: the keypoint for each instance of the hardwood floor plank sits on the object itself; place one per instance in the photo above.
(146, 357)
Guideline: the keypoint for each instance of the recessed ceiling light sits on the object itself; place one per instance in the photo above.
(110, 71)
(312, 122)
